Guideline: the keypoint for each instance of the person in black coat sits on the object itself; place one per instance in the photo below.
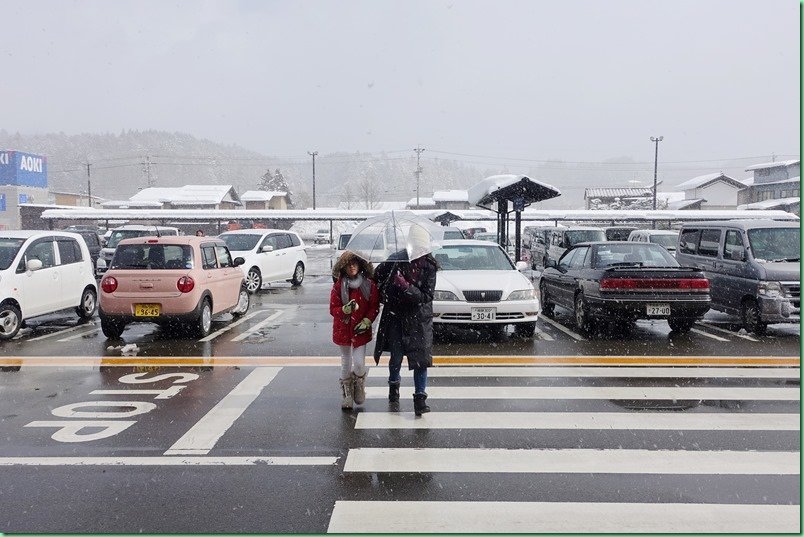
(406, 324)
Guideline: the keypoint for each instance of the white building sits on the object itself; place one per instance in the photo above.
(714, 190)
(771, 181)
(184, 197)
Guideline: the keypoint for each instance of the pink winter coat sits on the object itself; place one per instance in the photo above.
(343, 326)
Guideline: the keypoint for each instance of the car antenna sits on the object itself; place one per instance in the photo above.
(157, 230)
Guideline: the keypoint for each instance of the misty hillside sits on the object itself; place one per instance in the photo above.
(123, 163)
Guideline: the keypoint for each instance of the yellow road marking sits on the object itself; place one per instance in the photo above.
(196, 361)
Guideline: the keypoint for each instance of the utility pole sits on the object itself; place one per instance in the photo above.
(418, 151)
(89, 187)
(655, 166)
(146, 168)
(313, 154)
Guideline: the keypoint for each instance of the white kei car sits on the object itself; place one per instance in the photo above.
(271, 255)
(43, 272)
(479, 285)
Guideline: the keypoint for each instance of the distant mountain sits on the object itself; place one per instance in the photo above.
(121, 164)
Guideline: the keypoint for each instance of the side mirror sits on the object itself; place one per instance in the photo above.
(238, 261)
(267, 248)
(738, 254)
(522, 265)
(549, 262)
(33, 264)
(100, 263)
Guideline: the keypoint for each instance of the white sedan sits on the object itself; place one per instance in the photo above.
(478, 284)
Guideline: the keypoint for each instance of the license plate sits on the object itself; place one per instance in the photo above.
(484, 314)
(658, 310)
(147, 310)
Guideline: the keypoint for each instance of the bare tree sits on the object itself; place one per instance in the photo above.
(347, 195)
(368, 189)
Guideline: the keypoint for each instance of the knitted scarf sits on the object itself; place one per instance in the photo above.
(353, 283)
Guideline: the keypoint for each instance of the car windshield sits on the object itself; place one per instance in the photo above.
(585, 235)
(241, 242)
(618, 233)
(343, 240)
(8, 251)
(775, 244)
(668, 241)
(153, 256)
(474, 257)
(452, 234)
(637, 254)
(120, 234)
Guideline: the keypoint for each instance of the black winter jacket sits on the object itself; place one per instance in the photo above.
(414, 306)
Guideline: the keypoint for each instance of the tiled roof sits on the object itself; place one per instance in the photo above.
(188, 194)
(617, 192)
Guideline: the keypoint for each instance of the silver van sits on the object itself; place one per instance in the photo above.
(753, 268)
(663, 237)
(127, 232)
(563, 238)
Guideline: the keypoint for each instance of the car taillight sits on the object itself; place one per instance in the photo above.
(109, 284)
(631, 284)
(185, 284)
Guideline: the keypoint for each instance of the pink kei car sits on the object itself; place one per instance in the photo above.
(171, 280)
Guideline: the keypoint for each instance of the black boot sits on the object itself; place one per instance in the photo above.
(393, 391)
(420, 404)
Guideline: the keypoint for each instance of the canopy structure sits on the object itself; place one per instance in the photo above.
(495, 193)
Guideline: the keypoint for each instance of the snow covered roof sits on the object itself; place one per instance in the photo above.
(128, 204)
(617, 192)
(450, 195)
(483, 191)
(261, 195)
(423, 202)
(670, 196)
(748, 181)
(701, 180)
(85, 213)
(188, 194)
(680, 205)
(770, 204)
(772, 165)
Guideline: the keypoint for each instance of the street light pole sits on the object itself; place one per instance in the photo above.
(655, 166)
(313, 154)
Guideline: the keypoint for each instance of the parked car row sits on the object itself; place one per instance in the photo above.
(747, 268)
(147, 274)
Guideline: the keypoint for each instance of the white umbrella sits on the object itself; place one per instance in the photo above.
(395, 236)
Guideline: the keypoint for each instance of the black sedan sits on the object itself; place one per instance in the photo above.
(620, 282)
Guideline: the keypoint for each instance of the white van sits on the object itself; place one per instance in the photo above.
(663, 237)
(43, 272)
(127, 232)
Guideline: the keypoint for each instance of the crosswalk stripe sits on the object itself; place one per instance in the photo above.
(679, 393)
(559, 517)
(599, 372)
(581, 421)
(599, 461)
(707, 334)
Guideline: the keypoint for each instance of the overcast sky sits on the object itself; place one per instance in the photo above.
(572, 80)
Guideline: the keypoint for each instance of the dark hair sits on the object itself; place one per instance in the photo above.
(347, 257)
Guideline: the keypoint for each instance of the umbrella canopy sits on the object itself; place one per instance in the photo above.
(395, 236)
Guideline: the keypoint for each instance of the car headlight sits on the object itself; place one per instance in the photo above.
(770, 289)
(444, 295)
(523, 294)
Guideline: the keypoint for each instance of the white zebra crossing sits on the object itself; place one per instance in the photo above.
(405, 516)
